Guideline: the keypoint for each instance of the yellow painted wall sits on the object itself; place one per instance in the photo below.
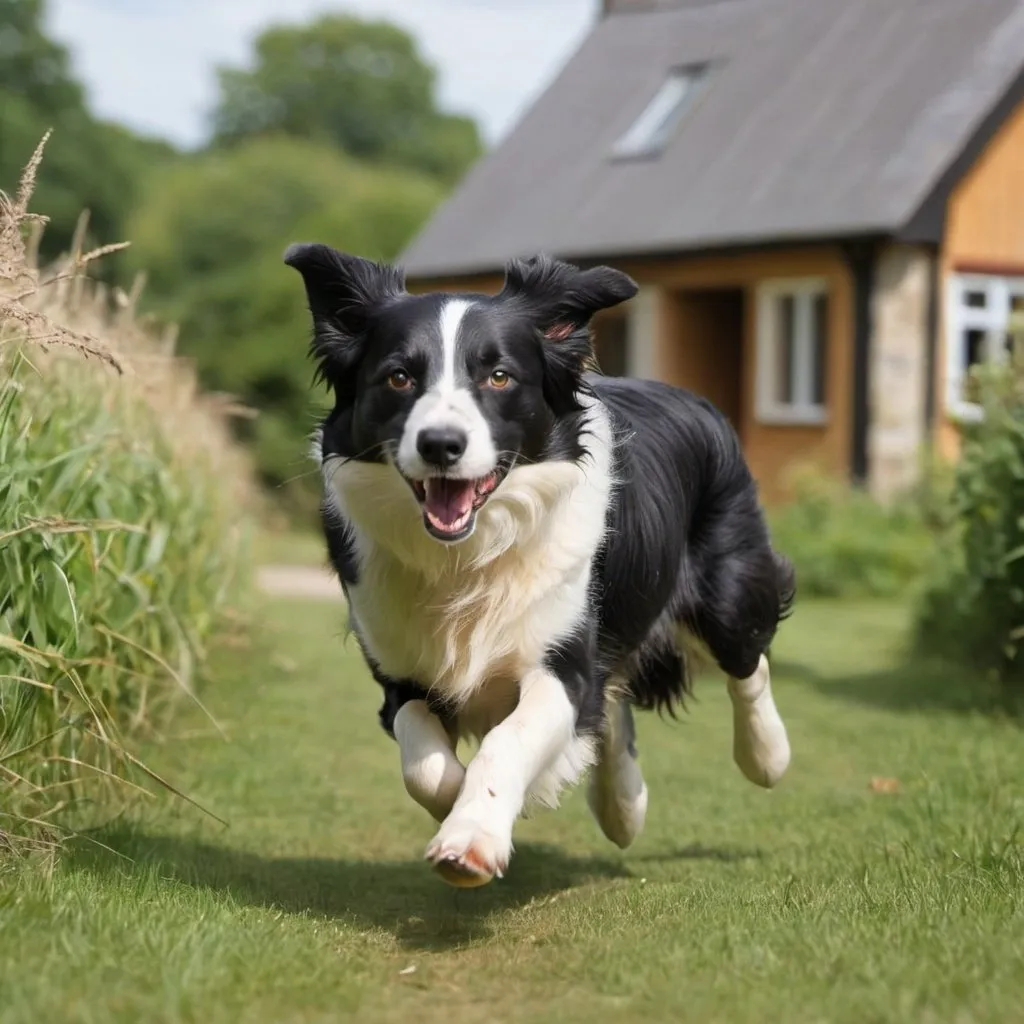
(985, 223)
(772, 451)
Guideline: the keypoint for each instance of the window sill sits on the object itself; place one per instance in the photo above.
(784, 416)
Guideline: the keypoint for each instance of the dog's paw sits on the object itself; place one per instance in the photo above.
(466, 855)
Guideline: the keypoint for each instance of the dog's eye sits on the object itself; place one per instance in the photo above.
(399, 380)
(499, 379)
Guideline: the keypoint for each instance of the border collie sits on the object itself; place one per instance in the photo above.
(529, 550)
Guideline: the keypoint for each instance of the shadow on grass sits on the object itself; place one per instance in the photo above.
(697, 851)
(402, 897)
(910, 687)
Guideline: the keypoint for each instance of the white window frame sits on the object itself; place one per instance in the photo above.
(803, 410)
(994, 320)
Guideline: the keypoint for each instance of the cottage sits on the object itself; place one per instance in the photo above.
(822, 201)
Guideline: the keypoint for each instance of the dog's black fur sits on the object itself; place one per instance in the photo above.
(712, 569)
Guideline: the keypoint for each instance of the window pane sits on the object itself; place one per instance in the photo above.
(651, 130)
(976, 299)
(785, 336)
(973, 349)
(1016, 326)
(819, 348)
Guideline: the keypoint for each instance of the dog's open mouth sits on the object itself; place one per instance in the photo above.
(450, 506)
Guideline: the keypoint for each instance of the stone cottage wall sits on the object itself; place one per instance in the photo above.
(898, 366)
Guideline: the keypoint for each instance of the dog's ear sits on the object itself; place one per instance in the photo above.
(342, 292)
(561, 300)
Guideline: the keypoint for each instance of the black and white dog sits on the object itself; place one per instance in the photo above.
(529, 550)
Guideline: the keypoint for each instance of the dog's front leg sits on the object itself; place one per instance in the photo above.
(432, 773)
(475, 841)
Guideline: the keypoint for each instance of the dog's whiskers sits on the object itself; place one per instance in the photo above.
(337, 461)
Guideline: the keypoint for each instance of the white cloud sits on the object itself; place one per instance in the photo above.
(150, 63)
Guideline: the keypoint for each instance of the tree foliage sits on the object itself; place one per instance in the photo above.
(361, 86)
(90, 163)
(32, 65)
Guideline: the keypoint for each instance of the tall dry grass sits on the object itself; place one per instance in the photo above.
(123, 511)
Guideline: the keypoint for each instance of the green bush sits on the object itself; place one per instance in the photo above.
(844, 543)
(119, 539)
(972, 609)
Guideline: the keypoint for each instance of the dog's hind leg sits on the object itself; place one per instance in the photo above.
(746, 590)
(617, 793)
(432, 773)
(760, 744)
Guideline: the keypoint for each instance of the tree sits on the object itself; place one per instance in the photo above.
(32, 66)
(210, 235)
(89, 164)
(362, 86)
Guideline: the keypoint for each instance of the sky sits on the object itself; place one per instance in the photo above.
(150, 63)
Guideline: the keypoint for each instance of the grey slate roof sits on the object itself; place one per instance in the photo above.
(823, 118)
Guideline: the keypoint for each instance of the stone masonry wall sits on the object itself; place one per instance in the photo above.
(898, 365)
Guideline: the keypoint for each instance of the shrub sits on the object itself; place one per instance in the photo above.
(972, 609)
(119, 534)
(844, 543)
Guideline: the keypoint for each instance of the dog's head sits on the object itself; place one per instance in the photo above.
(452, 390)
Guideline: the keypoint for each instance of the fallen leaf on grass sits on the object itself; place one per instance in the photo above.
(882, 785)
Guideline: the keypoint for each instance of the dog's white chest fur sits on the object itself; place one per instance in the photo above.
(468, 621)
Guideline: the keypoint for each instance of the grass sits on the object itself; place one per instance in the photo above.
(825, 900)
(121, 540)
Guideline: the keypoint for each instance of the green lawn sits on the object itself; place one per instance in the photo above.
(821, 901)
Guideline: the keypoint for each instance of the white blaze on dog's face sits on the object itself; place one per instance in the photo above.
(451, 390)
(447, 450)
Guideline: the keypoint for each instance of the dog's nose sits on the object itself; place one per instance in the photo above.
(441, 446)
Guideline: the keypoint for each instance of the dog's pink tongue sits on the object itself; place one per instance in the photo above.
(448, 501)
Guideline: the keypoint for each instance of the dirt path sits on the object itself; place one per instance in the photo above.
(298, 581)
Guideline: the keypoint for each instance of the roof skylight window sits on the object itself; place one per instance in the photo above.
(650, 132)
